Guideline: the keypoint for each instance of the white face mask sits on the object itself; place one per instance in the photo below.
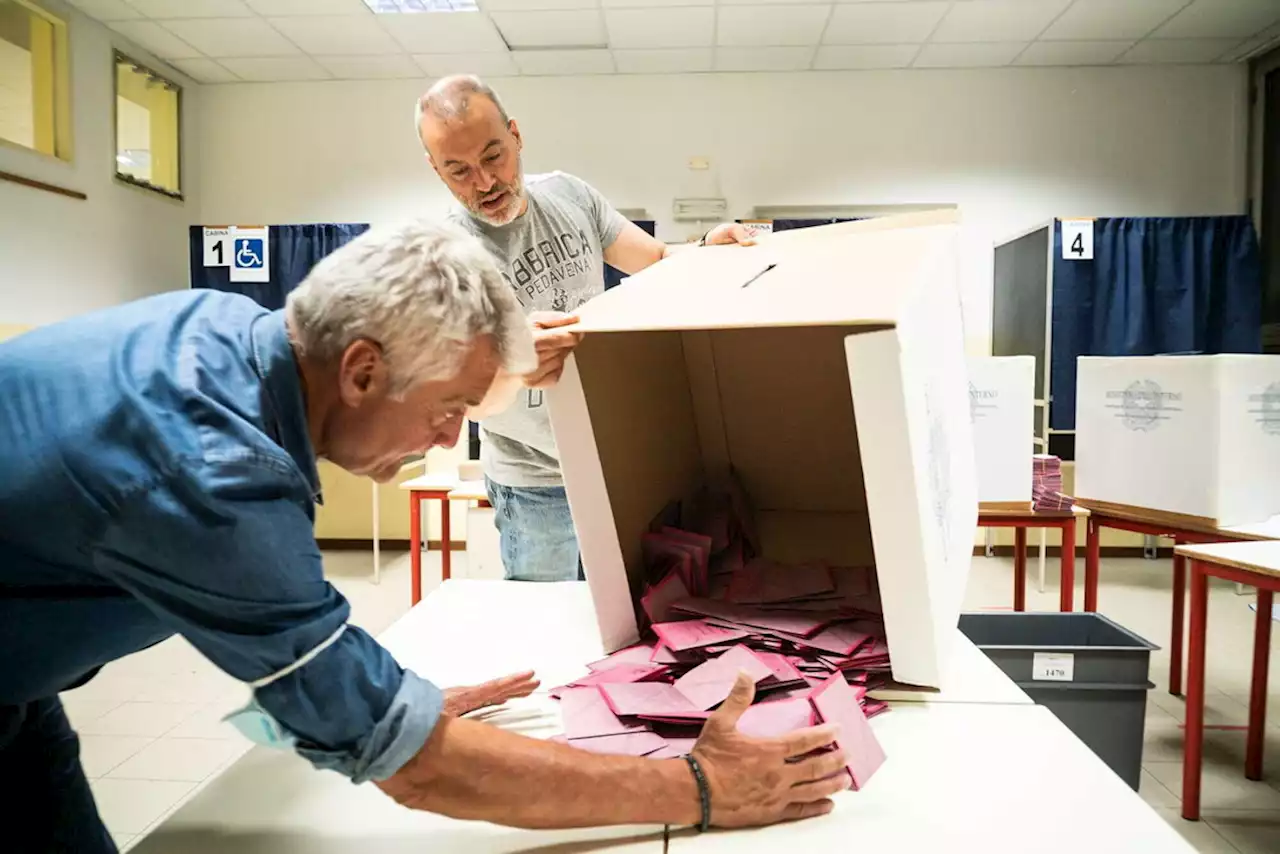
(255, 724)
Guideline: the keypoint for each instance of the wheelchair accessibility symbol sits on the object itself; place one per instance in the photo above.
(249, 254)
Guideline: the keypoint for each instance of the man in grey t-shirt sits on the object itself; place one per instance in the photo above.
(551, 235)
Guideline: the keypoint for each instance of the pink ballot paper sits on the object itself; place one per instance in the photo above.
(645, 698)
(764, 581)
(709, 683)
(691, 634)
(622, 673)
(631, 744)
(770, 720)
(639, 654)
(587, 715)
(836, 702)
(658, 600)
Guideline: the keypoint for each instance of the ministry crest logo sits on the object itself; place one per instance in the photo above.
(1143, 404)
(1266, 406)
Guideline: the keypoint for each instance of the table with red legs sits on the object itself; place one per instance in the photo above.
(1020, 519)
(1184, 530)
(1256, 564)
(429, 487)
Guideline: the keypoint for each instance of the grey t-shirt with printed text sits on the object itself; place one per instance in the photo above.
(553, 257)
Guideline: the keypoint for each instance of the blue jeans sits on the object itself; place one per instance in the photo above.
(536, 532)
(47, 803)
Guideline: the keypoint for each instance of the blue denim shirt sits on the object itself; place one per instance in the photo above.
(157, 476)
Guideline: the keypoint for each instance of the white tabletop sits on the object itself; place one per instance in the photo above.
(961, 776)
(434, 482)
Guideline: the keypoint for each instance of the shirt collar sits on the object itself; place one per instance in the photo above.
(286, 417)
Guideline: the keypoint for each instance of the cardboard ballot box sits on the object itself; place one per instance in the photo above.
(825, 367)
(1002, 406)
(1195, 436)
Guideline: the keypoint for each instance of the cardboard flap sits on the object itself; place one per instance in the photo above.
(856, 278)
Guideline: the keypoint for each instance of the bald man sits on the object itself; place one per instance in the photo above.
(551, 235)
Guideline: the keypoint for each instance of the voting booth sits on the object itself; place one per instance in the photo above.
(1002, 407)
(1194, 436)
(825, 369)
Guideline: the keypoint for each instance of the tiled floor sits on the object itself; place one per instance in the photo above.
(151, 731)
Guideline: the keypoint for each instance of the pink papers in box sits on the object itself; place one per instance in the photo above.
(763, 581)
(587, 715)
(691, 634)
(837, 703)
(646, 698)
(777, 718)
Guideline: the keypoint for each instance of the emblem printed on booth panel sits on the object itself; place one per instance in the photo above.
(981, 400)
(539, 273)
(1143, 404)
(1265, 406)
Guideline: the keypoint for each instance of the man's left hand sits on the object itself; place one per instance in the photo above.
(470, 698)
(730, 232)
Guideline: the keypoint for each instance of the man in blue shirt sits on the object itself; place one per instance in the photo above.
(158, 475)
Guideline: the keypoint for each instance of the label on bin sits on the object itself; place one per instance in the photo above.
(1054, 666)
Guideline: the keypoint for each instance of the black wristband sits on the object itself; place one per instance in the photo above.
(702, 241)
(704, 792)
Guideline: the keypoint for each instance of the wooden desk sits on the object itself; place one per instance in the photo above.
(1256, 564)
(1020, 520)
(1144, 520)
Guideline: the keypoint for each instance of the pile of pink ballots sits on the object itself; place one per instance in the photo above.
(1046, 484)
(810, 635)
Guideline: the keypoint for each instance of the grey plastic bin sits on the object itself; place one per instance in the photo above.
(1104, 703)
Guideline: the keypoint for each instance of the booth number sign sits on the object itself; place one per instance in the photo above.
(244, 249)
(1077, 240)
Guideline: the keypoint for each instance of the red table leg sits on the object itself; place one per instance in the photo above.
(445, 545)
(415, 546)
(1175, 632)
(1193, 745)
(1067, 583)
(1258, 691)
(1019, 569)
(1092, 557)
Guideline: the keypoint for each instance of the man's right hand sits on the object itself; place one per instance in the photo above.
(553, 344)
(757, 781)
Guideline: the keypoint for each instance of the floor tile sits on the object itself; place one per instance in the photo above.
(207, 722)
(143, 719)
(1250, 832)
(81, 709)
(1220, 788)
(190, 759)
(1202, 837)
(1156, 793)
(99, 754)
(131, 806)
(124, 841)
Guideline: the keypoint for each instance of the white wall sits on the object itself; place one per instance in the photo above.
(1010, 146)
(60, 256)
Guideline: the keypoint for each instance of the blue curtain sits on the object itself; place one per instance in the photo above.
(294, 250)
(1159, 285)
(789, 224)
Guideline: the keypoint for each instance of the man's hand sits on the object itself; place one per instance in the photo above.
(553, 344)
(730, 232)
(762, 781)
(470, 698)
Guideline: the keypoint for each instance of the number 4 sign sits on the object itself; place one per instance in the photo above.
(1077, 239)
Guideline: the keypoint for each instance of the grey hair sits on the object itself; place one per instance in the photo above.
(449, 97)
(423, 291)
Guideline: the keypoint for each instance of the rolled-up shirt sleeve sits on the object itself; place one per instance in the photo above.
(227, 556)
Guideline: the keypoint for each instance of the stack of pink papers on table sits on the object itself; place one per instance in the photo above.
(1046, 484)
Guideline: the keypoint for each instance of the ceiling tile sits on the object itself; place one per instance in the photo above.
(452, 32)
(107, 10)
(564, 62)
(654, 4)
(671, 61)
(369, 67)
(336, 35)
(309, 7)
(151, 36)
(481, 64)
(651, 28)
(970, 55)
(1073, 53)
(884, 23)
(551, 29)
(219, 37)
(763, 58)
(775, 3)
(832, 57)
(276, 69)
(1177, 51)
(746, 26)
(204, 71)
(537, 5)
(993, 21)
(1109, 19)
(165, 9)
(1222, 19)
